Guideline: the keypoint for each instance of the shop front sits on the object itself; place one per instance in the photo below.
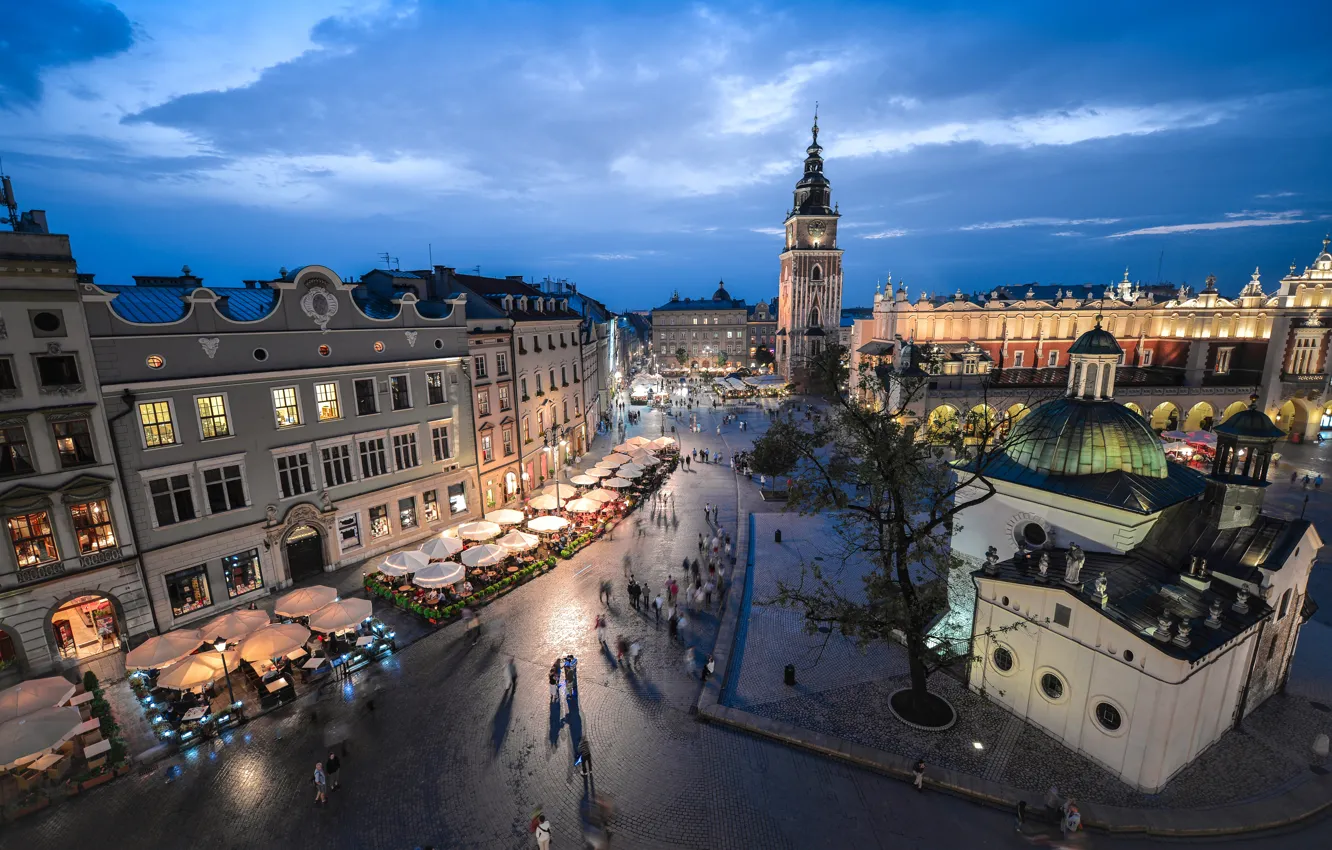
(85, 627)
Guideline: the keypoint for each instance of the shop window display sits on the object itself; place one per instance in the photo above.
(188, 591)
(242, 573)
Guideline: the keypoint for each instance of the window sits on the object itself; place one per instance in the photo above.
(225, 488)
(15, 456)
(157, 423)
(508, 441)
(324, 351)
(367, 402)
(1034, 534)
(349, 531)
(1052, 686)
(213, 419)
(479, 366)
(242, 573)
(483, 402)
(527, 429)
(501, 363)
(326, 401)
(1285, 604)
(399, 393)
(379, 522)
(1223, 360)
(1017, 359)
(430, 505)
(538, 380)
(8, 381)
(92, 526)
(434, 387)
(187, 590)
(504, 402)
(552, 379)
(578, 406)
(453, 376)
(1063, 615)
(1146, 357)
(337, 464)
(457, 499)
(73, 441)
(439, 440)
(541, 422)
(564, 377)
(294, 474)
(407, 512)
(32, 538)
(1108, 716)
(373, 460)
(172, 498)
(487, 450)
(575, 372)
(566, 411)
(1053, 359)
(523, 385)
(57, 370)
(286, 407)
(1003, 659)
(155, 361)
(404, 450)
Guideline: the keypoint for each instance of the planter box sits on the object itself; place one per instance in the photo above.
(29, 809)
(97, 780)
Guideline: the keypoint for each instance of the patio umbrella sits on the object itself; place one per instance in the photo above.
(518, 541)
(547, 524)
(617, 483)
(304, 602)
(439, 575)
(583, 480)
(485, 555)
(36, 733)
(1174, 435)
(341, 615)
(439, 548)
(235, 625)
(546, 503)
(479, 530)
(643, 458)
(583, 506)
(626, 447)
(664, 442)
(629, 467)
(272, 641)
(195, 670)
(1177, 446)
(598, 472)
(506, 516)
(161, 650)
(601, 494)
(1202, 438)
(27, 697)
(402, 563)
(638, 441)
(613, 460)
(627, 472)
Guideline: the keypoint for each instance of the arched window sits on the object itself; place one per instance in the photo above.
(814, 317)
(1285, 604)
(816, 274)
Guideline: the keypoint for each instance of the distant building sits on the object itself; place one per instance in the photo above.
(762, 330)
(711, 334)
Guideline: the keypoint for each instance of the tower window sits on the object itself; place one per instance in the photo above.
(816, 274)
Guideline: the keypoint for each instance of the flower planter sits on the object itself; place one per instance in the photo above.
(30, 808)
(97, 780)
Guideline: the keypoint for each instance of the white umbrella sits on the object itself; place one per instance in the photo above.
(545, 503)
(626, 472)
(506, 516)
(235, 625)
(613, 460)
(583, 506)
(36, 733)
(518, 541)
(583, 480)
(27, 697)
(626, 447)
(601, 494)
(196, 670)
(273, 641)
(479, 530)
(617, 483)
(401, 563)
(341, 615)
(643, 458)
(598, 472)
(547, 524)
(628, 467)
(439, 548)
(161, 650)
(485, 555)
(638, 441)
(664, 442)
(561, 491)
(439, 575)
(304, 602)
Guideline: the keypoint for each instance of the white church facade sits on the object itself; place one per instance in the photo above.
(1146, 608)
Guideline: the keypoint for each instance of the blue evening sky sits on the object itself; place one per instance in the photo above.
(637, 148)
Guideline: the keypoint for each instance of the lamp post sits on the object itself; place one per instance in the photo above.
(221, 646)
(554, 438)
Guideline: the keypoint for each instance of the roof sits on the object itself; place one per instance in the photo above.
(162, 304)
(493, 289)
(875, 348)
(1252, 424)
(1073, 436)
(701, 304)
(1190, 529)
(1032, 376)
(1122, 490)
(1096, 341)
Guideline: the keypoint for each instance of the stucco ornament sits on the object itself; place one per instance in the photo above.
(325, 503)
(1241, 601)
(320, 304)
(1182, 637)
(1073, 565)
(209, 345)
(411, 338)
(1101, 585)
(1043, 566)
(1162, 632)
(991, 561)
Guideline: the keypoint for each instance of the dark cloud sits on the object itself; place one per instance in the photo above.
(41, 34)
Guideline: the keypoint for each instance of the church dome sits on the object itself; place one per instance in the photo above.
(1072, 436)
(1096, 341)
(721, 294)
(1250, 423)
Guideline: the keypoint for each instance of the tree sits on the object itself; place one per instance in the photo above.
(721, 359)
(681, 355)
(893, 488)
(763, 356)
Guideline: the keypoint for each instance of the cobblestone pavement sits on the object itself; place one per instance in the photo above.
(448, 758)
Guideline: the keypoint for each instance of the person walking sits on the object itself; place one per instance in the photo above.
(1318, 481)
(708, 667)
(656, 609)
(511, 677)
(601, 629)
(918, 775)
(476, 627)
(707, 594)
(331, 768)
(635, 648)
(542, 833)
(320, 784)
(1021, 818)
(554, 687)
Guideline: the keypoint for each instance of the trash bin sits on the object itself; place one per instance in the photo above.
(778, 536)
(790, 674)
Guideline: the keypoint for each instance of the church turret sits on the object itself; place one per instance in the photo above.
(1244, 445)
(1092, 361)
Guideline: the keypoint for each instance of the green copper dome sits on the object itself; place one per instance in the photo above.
(1071, 436)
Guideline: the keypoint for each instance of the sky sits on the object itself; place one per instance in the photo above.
(641, 148)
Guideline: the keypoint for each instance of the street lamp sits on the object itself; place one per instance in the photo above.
(221, 646)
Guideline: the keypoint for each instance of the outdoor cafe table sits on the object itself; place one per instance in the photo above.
(364, 640)
(276, 685)
(46, 761)
(313, 663)
(297, 654)
(196, 713)
(93, 725)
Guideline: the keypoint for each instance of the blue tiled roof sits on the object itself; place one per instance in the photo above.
(161, 304)
(704, 304)
(373, 305)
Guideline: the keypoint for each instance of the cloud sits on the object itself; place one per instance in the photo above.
(51, 34)
(1062, 127)
(1038, 221)
(612, 257)
(1232, 221)
(1267, 196)
(886, 234)
(769, 231)
(678, 177)
(922, 199)
(1067, 233)
(748, 107)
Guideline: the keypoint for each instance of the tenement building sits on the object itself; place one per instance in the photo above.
(71, 593)
(704, 334)
(272, 431)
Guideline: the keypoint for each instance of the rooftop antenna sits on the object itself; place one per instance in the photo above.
(7, 197)
(390, 262)
(1159, 261)
(476, 270)
(430, 251)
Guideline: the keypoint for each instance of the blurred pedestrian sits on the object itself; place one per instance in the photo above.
(331, 768)
(543, 833)
(511, 675)
(656, 609)
(708, 667)
(320, 784)
(918, 775)
(554, 687)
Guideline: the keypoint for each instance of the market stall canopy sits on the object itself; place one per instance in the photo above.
(1174, 435)
(506, 516)
(583, 480)
(617, 483)
(479, 530)
(545, 503)
(159, 651)
(273, 641)
(439, 575)
(485, 555)
(195, 670)
(598, 472)
(612, 460)
(601, 494)
(664, 442)
(439, 548)
(27, 697)
(638, 441)
(341, 615)
(583, 506)
(547, 524)
(305, 601)
(519, 541)
(235, 625)
(35, 733)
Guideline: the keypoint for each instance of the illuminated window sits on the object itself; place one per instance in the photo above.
(213, 421)
(326, 401)
(156, 422)
(286, 407)
(73, 443)
(32, 539)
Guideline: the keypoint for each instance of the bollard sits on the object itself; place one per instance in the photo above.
(777, 538)
(790, 675)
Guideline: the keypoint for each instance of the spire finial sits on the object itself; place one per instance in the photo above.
(816, 128)
(1326, 238)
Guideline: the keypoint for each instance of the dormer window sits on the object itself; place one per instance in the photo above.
(522, 303)
(508, 302)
